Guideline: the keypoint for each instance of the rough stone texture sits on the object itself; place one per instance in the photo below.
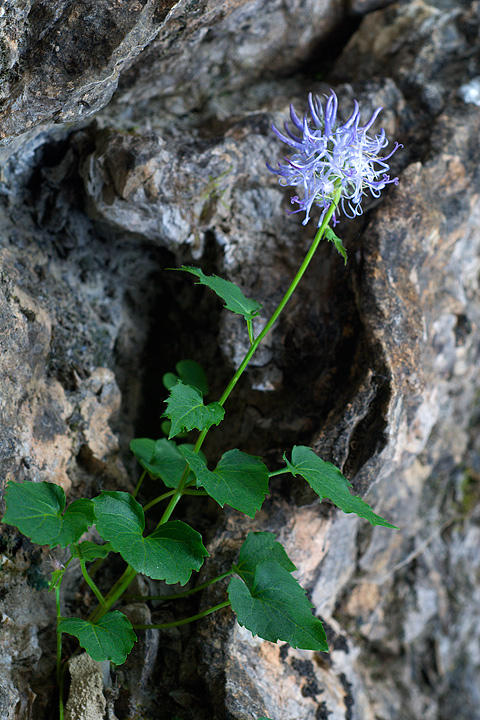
(61, 59)
(375, 365)
(86, 700)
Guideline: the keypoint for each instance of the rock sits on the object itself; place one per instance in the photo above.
(86, 700)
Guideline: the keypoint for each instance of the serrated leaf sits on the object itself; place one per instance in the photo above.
(276, 608)
(339, 246)
(239, 480)
(36, 510)
(161, 458)
(234, 298)
(111, 638)
(186, 410)
(257, 548)
(170, 553)
(328, 482)
(91, 551)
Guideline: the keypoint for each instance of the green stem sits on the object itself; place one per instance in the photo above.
(185, 621)
(279, 472)
(250, 331)
(179, 596)
(89, 581)
(139, 483)
(193, 491)
(116, 591)
(254, 345)
(158, 499)
(59, 653)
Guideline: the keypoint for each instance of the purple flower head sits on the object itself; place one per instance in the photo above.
(329, 156)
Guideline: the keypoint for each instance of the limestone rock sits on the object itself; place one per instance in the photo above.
(86, 700)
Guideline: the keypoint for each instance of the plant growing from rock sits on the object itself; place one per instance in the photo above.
(333, 165)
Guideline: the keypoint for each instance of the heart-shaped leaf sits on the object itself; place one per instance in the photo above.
(111, 638)
(275, 607)
(239, 480)
(36, 510)
(170, 553)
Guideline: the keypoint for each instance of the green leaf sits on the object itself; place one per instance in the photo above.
(91, 551)
(36, 510)
(235, 300)
(339, 246)
(166, 426)
(275, 607)
(161, 458)
(169, 380)
(170, 553)
(190, 373)
(111, 638)
(186, 410)
(257, 548)
(239, 480)
(328, 482)
(77, 518)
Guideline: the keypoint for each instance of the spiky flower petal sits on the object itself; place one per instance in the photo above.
(328, 155)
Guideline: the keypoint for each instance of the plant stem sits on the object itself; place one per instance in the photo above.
(90, 582)
(254, 345)
(116, 591)
(139, 483)
(185, 621)
(301, 271)
(250, 331)
(59, 653)
(186, 593)
(158, 499)
(279, 472)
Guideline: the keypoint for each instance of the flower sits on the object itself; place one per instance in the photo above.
(330, 156)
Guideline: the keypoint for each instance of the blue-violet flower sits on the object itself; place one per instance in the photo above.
(329, 156)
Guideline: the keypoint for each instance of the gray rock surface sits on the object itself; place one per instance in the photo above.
(374, 365)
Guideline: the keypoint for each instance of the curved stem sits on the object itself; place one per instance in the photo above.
(59, 653)
(158, 499)
(185, 621)
(90, 582)
(181, 595)
(139, 483)
(116, 591)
